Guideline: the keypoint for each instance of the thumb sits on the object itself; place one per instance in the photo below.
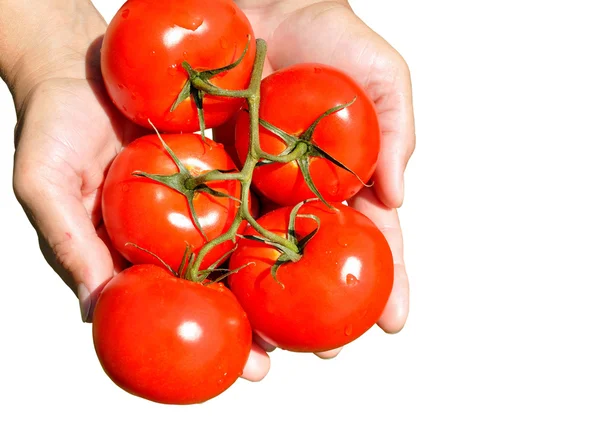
(68, 238)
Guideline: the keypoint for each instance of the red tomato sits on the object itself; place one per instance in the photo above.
(292, 99)
(156, 217)
(170, 340)
(145, 44)
(334, 294)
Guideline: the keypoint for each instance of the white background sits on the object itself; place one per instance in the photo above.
(502, 238)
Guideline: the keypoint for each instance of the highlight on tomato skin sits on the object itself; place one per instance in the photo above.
(170, 340)
(333, 295)
(156, 218)
(292, 99)
(145, 45)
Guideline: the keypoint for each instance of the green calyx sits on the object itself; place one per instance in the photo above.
(303, 149)
(199, 85)
(203, 275)
(183, 182)
(288, 255)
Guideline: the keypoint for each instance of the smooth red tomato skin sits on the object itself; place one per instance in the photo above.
(334, 294)
(157, 218)
(145, 44)
(170, 340)
(292, 99)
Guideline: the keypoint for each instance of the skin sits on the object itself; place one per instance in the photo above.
(50, 61)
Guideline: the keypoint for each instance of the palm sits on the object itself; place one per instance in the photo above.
(75, 137)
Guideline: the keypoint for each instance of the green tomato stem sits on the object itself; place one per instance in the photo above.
(298, 152)
(252, 95)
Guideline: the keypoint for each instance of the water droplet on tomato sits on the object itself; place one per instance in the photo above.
(125, 188)
(190, 22)
(185, 54)
(348, 330)
(121, 86)
(220, 382)
(124, 108)
(173, 70)
(133, 96)
(125, 14)
(223, 42)
(351, 280)
(196, 23)
(153, 52)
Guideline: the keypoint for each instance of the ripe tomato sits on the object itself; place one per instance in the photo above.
(170, 340)
(145, 44)
(292, 99)
(334, 294)
(157, 218)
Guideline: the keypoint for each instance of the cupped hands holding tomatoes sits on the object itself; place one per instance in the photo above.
(307, 278)
(178, 66)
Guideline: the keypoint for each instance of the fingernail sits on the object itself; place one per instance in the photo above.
(400, 193)
(85, 301)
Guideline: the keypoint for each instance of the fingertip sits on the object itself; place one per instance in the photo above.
(330, 354)
(258, 364)
(393, 324)
(395, 313)
(390, 191)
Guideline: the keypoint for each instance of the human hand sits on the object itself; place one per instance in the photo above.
(67, 134)
(329, 32)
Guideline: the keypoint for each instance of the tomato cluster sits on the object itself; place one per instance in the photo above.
(311, 275)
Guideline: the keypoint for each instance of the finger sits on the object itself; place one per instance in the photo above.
(68, 237)
(258, 364)
(396, 122)
(395, 313)
(346, 42)
(329, 354)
